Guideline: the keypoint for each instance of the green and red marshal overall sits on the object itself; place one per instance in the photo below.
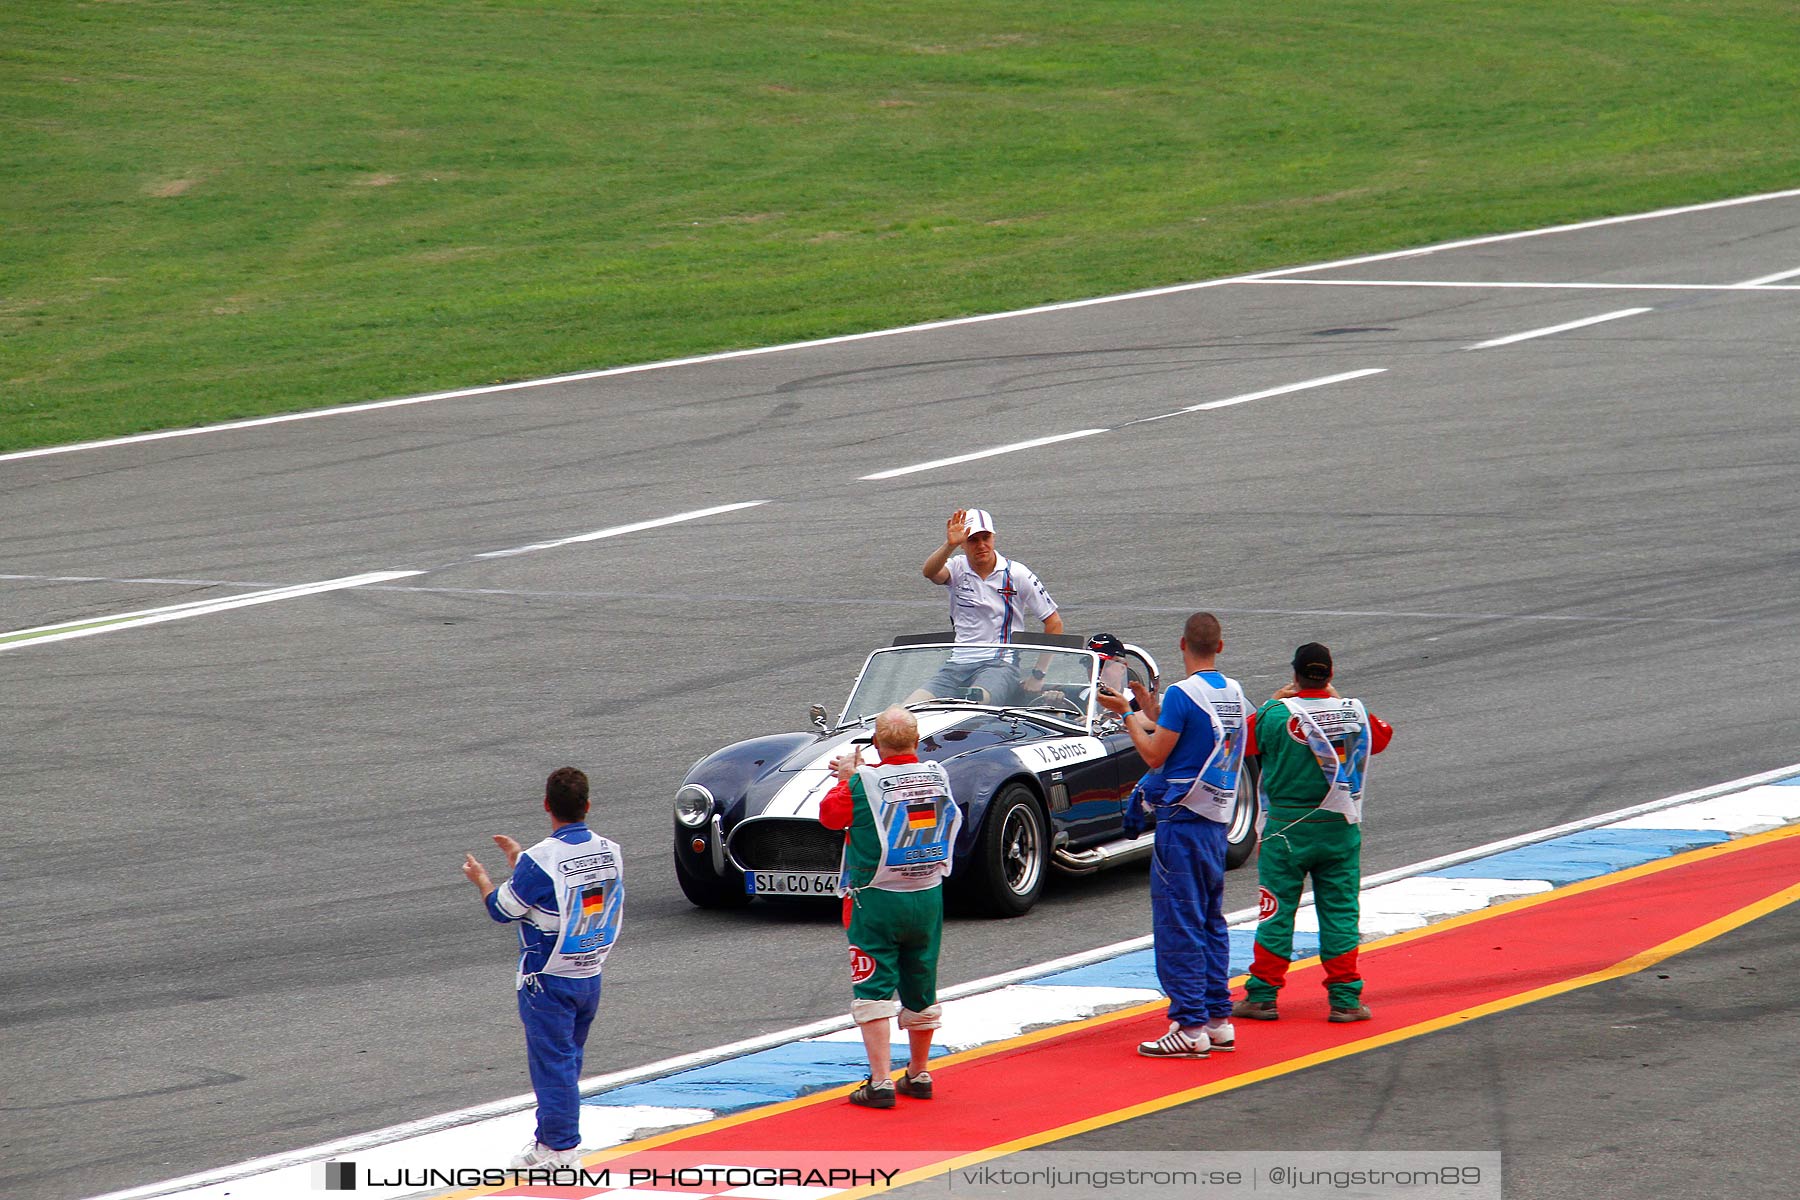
(902, 827)
(1315, 750)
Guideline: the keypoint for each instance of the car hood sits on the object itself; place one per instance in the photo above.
(799, 782)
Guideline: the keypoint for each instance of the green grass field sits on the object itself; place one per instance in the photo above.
(221, 208)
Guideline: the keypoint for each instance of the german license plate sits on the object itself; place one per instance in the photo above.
(791, 883)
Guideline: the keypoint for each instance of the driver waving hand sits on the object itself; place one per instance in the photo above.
(991, 598)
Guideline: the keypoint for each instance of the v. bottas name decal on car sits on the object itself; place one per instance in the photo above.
(1061, 752)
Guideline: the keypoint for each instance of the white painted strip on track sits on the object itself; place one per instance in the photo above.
(1519, 235)
(1510, 338)
(1262, 395)
(1506, 284)
(833, 1025)
(1285, 389)
(727, 355)
(1777, 277)
(616, 530)
(1013, 447)
(90, 626)
(991, 452)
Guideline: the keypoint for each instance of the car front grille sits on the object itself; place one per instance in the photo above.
(786, 844)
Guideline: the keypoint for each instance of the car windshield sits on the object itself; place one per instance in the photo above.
(977, 673)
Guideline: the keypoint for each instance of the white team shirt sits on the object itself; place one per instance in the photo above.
(980, 611)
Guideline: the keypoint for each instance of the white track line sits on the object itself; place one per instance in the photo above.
(1284, 389)
(1767, 279)
(1521, 285)
(1492, 238)
(580, 376)
(991, 452)
(89, 626)
(1510, 338)
(1264, 394)
(616, 530)
(700, 1058)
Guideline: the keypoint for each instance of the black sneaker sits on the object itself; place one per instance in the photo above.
(870, 1094)
(1256, 1010)
(917, 1086)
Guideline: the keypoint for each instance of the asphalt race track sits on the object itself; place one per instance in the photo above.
(1562, 567)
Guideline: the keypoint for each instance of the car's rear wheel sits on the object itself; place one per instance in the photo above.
(709, 891)
(1011, 855)
(1240, 834)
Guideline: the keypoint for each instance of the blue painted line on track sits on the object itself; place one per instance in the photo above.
(766, 1077)
(1584, 855)
(1134, 970)
(1790, 781)
(1138, 968)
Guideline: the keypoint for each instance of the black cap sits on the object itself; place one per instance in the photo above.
(1106, 646)
(1312, 662)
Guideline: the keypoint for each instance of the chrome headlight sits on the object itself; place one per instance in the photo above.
(693, 804)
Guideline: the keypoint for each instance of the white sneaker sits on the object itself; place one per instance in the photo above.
(538, 1157)
(1221, 1035)
(1177, 1043)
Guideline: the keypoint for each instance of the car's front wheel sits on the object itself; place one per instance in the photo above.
(709, 891)
(1008, 867)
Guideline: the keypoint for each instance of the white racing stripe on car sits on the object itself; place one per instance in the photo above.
(1063, 752)
(801, 794)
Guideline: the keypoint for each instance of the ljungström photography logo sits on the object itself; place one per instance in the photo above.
(335, 1176)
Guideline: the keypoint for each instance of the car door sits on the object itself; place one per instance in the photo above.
(1081, 780)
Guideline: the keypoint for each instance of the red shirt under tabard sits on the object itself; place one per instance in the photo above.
(838, 809)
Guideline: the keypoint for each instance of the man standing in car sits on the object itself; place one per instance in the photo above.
(991, 598)
(900, 825)
(1197, 734)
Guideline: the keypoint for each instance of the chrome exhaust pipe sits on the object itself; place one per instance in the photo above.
(1097, 858)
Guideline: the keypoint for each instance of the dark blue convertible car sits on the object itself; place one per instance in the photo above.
(1041, 776)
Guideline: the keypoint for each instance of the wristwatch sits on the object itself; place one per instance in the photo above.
(1037, 673)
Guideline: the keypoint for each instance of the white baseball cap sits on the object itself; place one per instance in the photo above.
(978, 520)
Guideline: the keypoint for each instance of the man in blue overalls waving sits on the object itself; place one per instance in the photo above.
(568, 895)
(1197, 735)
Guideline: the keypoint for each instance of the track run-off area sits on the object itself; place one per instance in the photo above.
(265, 683)
(1011, 1096)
